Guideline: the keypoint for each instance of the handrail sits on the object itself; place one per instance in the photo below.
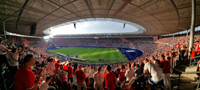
(181, 72)
(197, 57)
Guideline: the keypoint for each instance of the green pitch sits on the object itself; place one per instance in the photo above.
(92, 55)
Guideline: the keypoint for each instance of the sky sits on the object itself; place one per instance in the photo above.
(93, 27)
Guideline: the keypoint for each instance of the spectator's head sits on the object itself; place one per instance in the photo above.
(137, 66)
(0, 40)
(145, 61)
(168, 58)
(157, 56)
(70, 64)
(152, 58)
(14, 50)
(61, 67)
(197, 42)
(118, 70)
(133, 64)
(128, 66)
(99, 69)
(193, 48)
(29, 60)
(48, 79)
(109, 68)
(85, 70)
(80, 67)
(162, 57)
(50, 59)
(123, 66)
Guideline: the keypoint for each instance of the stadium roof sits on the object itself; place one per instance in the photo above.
(157, 16)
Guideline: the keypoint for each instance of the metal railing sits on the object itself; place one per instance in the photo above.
(173, 61)
(179, 72)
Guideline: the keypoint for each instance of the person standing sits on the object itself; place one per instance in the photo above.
(70, 75)
(156, 79)
(122, 78)
(3, 60)
(110, 79)
(80, 77)
(14, 59)
(166, 71)
(51, 68)
(182, 53)
(41, 61)
(25, 79)
(129, 73)
(45, 84)
(198, 48)
(98, 79)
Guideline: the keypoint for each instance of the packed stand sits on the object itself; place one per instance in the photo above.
(32, 70)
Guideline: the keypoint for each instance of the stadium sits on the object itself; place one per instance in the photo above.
(99, 44)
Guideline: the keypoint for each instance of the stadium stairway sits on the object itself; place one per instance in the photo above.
(184, 77)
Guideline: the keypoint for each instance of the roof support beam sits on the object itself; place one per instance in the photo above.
(192, 27)
(21, 11)
(55, 10)
(64, 7)
(177, 12)
(99, 2)
(7, 15)
(4, 29)
(86, 2)
(109, 8)
(139, 7)
(122, 7)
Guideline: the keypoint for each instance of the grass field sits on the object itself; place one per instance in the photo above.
(92, 55)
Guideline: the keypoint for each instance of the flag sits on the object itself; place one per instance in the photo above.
(96, 37)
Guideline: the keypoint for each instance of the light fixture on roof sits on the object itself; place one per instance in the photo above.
(74, 25)
(124, 25)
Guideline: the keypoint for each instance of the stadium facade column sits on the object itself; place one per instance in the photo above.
(4, 28)
(192, 27)
(4, 24)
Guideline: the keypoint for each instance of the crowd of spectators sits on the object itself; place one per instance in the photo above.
(33, 69)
